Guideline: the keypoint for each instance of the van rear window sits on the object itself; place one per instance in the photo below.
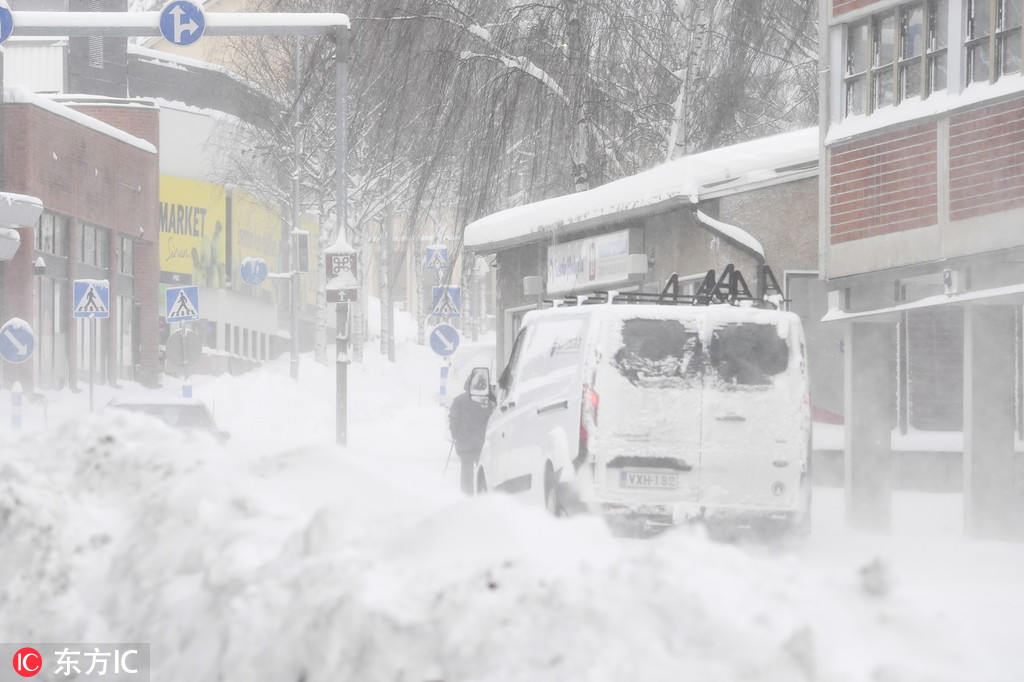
(747, 354)
(658, 353)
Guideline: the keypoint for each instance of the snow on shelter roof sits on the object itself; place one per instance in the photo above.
(682, 181)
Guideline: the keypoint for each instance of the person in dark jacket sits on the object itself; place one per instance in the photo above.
(467, 421)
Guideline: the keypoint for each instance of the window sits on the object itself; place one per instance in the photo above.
(94, 245)
(95, 43)
(124, 325)
(937, 46)
(883, 54)
(552, 347)
(896, 55)
(857, 68)
(659, 353)
(747, 354)
(911, 48)
(52, 234)
(993, 40)
(126, 266)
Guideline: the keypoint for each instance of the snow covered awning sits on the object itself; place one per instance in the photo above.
(10, 240)
(682, 182)
(16, 210)
(1013, 293)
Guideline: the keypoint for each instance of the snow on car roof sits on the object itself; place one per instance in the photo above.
(722, 312)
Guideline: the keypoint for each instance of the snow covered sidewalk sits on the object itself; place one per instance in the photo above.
(282, 557)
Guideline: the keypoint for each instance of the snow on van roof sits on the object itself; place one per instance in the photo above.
(712, 173)
(719, 313)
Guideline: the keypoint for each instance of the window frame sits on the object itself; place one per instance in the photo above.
(993, 42)
(126, 264)
(94, 245)
(880, 82)
(51, 234)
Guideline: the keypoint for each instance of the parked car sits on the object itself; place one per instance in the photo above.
(188, 414)
(652, 415)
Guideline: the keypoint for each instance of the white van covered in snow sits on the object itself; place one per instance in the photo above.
(656, 414)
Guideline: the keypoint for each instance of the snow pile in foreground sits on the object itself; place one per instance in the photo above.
(322, 564)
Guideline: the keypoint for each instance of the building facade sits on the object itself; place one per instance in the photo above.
(204, 227)
(98, 185)
(922, 240)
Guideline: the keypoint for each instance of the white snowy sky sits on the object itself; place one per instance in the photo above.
(281, 554)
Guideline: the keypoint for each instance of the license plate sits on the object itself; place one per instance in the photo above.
(633, 479)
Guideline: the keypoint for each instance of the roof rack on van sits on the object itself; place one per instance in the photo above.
(730, 288)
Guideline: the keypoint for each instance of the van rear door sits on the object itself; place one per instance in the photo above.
(754, 433)
(646, 439)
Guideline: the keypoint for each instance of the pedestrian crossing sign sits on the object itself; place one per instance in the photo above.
(182, 303)
(447, 301)
(437, 257)
(91, 298)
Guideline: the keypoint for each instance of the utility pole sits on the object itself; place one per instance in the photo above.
(293, 281)
(341, 243)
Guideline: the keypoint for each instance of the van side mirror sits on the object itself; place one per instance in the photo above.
(480, 382)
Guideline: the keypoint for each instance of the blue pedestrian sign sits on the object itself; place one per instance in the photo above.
(16, 341)
(254, 270)
(6, 22)
(437, 257)
(182, 22)
(91, 298)
(446, 301)
(444, 339)
(182, 303)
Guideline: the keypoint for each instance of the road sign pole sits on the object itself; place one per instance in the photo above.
(341, 365)
(444, 380)
(92, 359)
(186, 389)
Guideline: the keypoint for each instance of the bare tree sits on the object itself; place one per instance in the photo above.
(459, 108)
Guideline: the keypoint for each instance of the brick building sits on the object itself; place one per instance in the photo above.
(97, 178)
(922, 240)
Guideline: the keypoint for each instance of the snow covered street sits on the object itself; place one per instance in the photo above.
(282, 557)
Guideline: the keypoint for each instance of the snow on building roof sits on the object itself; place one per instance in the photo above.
(19, 93)
(717, 172)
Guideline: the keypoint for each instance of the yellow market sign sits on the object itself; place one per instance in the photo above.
(256, 230)
(193, 234)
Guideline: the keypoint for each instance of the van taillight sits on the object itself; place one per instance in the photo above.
(590, 402)
(588, 420)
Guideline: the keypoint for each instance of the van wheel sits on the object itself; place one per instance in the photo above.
(481, 484)
(551, 501)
